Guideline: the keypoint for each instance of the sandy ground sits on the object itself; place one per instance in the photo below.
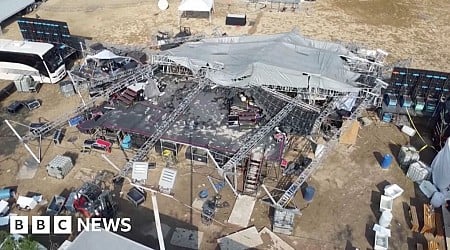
(348, 184)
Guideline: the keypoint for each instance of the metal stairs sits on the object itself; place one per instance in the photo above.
(251, 183)
(259, 135)
(127, 97)
(139, 74)
(166, 122)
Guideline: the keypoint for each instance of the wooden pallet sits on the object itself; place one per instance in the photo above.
(434, 242)
(414, 219)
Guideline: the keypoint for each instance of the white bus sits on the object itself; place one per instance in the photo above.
(38, 60)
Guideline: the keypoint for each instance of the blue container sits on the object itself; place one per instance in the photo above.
(76, 120)
(126, 142)
(386, 161)
(5, 194)
(308, 193)
(203, 194)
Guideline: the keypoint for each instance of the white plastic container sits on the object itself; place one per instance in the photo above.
(408, 130)
(393, 191)
(381, 242)
(382, 230)
(386, 203)
(385, 219)
(437, 200)
(427, 188)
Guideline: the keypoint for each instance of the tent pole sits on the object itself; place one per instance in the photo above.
(21, 140)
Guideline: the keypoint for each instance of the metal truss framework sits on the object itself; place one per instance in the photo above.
(165, 124)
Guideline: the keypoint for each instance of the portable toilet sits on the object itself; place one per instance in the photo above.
(126, 142)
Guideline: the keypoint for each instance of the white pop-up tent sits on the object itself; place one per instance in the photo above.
(196, 6)
(440, 168)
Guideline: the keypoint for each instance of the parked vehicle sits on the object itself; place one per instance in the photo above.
(9, 8)
(41, 61)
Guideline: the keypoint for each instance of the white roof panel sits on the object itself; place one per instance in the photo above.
(25, 46)
(196, 5)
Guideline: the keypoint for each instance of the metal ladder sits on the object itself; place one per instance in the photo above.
(124, 74)
(164, 126)
(259, 135)
(323, 115)
(288, 99)
(183, 39)
(140, 73)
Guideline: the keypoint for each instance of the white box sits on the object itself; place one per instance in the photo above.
(381, 242)
(427, 188)
(386, 203)
(393, 191)
(408, 130)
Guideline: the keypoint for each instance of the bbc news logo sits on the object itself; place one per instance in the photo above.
(63, 224)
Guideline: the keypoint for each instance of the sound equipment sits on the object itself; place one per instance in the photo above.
(236, 19)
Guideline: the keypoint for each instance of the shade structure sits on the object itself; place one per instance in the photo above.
(196, 6)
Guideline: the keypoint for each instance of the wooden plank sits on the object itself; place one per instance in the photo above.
(428, 219)
(439, 226)
(414, 219)
(349, 135)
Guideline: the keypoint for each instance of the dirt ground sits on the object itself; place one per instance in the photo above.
(350, 181)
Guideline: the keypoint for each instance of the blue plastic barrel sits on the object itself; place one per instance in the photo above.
(5, 193)
(386, 161)
(308, 193)
(203, 194)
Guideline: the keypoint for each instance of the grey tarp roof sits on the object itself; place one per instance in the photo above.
(287, 59)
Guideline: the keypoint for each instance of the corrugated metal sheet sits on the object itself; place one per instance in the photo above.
(9, 8)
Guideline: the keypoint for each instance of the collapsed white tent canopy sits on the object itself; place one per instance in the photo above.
(284, 60)
(440, 169)
(104, 55)
(197, 5)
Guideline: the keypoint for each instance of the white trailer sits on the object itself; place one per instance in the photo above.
(9, 8)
